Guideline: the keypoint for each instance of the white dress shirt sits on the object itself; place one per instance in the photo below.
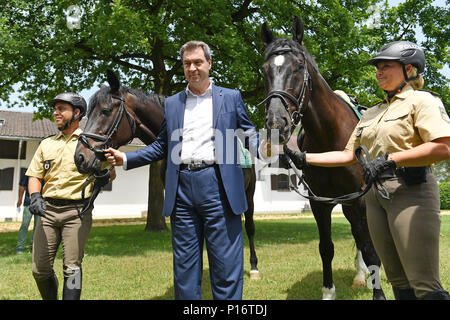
(197, 144)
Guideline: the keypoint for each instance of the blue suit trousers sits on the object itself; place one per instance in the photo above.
(202, 213)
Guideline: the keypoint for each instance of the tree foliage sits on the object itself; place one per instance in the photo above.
(441, 171)
(444, 193)
(141, 39)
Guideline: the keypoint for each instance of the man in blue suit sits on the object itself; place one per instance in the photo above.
(204, 194)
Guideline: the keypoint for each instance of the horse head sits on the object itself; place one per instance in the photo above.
(110, 124)
(284, 68)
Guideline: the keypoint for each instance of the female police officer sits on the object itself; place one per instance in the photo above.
(404, 134)
(60, 202)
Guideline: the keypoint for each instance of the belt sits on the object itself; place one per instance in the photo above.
(64, 202)
(195, 166)
(401, 172)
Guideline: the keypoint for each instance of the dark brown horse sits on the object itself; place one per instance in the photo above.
(296, 92)
(116, 115)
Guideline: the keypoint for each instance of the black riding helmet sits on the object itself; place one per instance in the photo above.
(404, 52)
(75, 100)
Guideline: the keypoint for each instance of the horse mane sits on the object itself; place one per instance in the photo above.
(294, 45)
(104, 95)
(144, 96)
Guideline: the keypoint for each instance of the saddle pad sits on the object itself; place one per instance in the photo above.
(245, 156)
(341, 94)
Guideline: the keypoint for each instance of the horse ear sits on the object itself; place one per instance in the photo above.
(266, 35)
(297, 30)
(113, 80)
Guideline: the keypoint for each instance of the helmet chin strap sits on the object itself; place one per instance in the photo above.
(68, 123)
(391, 94)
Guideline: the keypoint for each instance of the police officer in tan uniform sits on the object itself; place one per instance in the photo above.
(404, 134)
(60, 203)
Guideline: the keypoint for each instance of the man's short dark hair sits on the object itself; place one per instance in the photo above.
(191, 45)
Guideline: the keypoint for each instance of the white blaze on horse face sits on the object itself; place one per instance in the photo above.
(279, 60)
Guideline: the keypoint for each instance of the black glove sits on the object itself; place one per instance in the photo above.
(37, 204)
(102, 178)
(373, 168)
(298, 158)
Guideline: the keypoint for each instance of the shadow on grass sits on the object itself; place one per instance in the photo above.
(310, 287)
(206, 289)
(269, 232)
(120, 240)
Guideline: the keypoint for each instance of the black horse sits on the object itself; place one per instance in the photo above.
(116, 115)
(296, 92)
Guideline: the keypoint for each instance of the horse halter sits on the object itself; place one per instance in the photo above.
(297, 115)
(107, 139)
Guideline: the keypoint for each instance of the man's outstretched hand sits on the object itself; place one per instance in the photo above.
(114, 157)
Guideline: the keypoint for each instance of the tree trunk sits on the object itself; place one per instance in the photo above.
(155, 219)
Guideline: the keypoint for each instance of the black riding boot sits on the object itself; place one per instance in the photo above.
(48, 288)
(404, 294)
(440, 294)
(72, 287)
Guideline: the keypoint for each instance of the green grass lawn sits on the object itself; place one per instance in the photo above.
(125, 262)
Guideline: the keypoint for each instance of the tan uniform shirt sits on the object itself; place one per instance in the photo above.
(54, 162)
(412, 118)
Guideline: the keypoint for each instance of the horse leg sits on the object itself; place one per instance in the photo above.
(322, 215)
(250, 224)
(250, 230)
(361, 270)
(356, 215)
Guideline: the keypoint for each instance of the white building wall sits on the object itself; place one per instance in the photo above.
(8, 199)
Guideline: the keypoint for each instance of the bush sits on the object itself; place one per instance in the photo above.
(444, 191)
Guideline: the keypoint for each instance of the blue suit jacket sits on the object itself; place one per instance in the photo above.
(229, 115)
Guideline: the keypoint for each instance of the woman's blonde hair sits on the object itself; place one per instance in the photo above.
(418, 82)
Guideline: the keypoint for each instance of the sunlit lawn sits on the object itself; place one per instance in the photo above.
(125, 262)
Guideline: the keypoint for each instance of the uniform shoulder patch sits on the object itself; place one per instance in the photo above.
(444, 114)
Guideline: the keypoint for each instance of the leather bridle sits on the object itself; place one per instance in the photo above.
(99, 151)
(107, 139)
(297, 115)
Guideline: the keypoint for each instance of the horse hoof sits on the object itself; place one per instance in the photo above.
(254, 275)
(359, 281)
(328, 293)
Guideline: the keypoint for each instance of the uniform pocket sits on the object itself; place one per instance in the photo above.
(392, 186)
(398, 115)
(396, 128)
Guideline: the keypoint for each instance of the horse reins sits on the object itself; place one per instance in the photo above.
(362, 155)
